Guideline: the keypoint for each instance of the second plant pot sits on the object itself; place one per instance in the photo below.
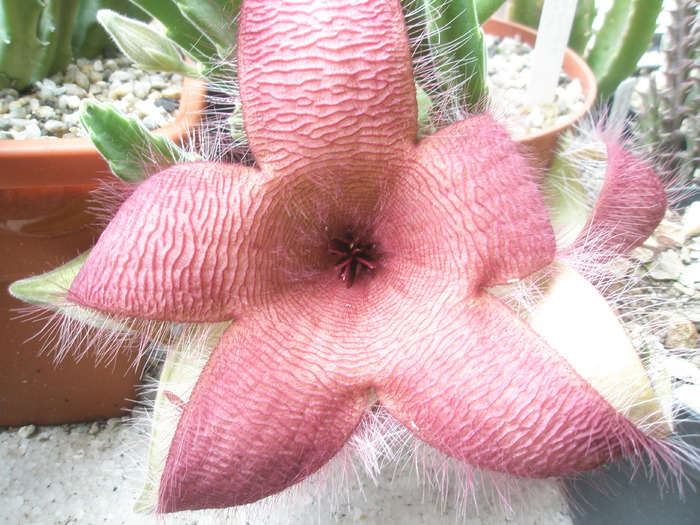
(542, 145)
(46, 220)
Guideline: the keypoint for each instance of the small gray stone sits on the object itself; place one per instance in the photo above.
(119, 77)
(141, 88)
(120, 90)
(670, 233)
(667, 267)
(690, 276)
(32, 131)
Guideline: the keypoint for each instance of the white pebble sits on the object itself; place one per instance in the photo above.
(74, 90)
(55, 127)
(71, 73)
(158, 82)
(32, 131)
(99, 87)
(26, 431)
(141, 88)
(82, 80)
(120, 90)
(20, 123)
(44, 112)
(69, 101)
(18, 112)
(120, 76)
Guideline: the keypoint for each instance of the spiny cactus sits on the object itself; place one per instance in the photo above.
(669, 121)
(40, 37)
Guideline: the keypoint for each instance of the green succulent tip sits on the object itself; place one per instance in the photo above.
(148, 48)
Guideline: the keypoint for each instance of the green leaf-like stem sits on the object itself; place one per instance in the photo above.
(126, 144)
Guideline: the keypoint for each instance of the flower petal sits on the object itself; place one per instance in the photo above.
(630, 205)
(266, 412)
(485, 389)
(325, 85)
(469, 203)
(182, 247)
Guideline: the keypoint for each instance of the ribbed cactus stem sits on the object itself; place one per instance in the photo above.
(621, 41)
(669, 121)
(19, 23)
(526, 12)
(582, 30)
(34, 39)
(453, 39)
(56, 29)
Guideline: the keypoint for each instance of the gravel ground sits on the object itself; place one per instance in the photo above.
(84, 474)
(50, 109)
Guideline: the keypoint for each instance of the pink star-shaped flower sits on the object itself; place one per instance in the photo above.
(355, 262)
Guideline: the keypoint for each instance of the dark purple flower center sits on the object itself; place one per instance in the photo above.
(353, 256)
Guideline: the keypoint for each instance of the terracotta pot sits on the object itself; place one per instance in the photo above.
(542, 145)
(45, 221)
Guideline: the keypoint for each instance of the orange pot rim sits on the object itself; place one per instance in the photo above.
(32, 162)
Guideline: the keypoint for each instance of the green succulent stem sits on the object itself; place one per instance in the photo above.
(127, 146)
(215, 19)
(526, 12)
(451, 36)
(179, 29)
(582, 28)
(621, 41)
(35, 39)
(40, 37)
(486, 8)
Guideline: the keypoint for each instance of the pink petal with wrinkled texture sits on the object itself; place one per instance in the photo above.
(180, 248)
(325, 84)
(485, 389)
(286, 388)
(468, 203)
(267, 412)
(630, 205)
